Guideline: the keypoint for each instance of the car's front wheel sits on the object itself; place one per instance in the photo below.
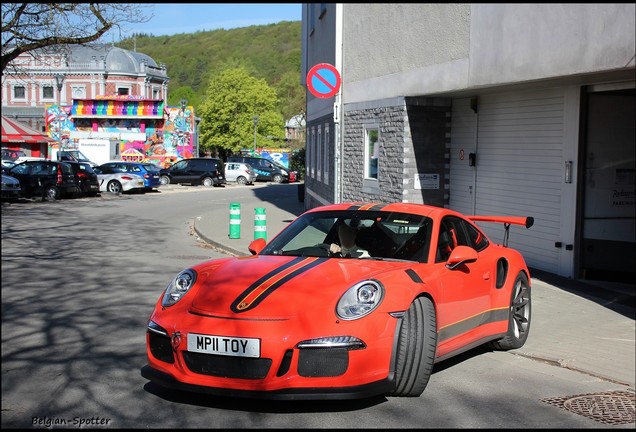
(519, 316)
(277, 178)
(114, 187)
(208, 182)
(51, 193)
(241, 180)
(417, 343)
(164, 180)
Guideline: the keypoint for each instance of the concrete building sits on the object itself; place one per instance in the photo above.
(513, 109)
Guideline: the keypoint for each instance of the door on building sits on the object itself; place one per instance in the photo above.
(608, 216)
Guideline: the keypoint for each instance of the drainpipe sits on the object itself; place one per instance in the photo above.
(337, 108)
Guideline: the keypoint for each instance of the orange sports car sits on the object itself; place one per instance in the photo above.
(348, 301)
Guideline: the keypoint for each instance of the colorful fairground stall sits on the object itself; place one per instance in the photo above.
(122, 127)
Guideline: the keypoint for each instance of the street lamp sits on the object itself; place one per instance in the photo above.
(255, 118)
(59, 80)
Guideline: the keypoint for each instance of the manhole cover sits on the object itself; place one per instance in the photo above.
(612, 408)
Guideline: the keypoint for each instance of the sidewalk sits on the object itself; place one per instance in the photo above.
(579, 325)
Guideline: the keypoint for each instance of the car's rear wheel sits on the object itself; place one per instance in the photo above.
(114, 187)
(277, 178)
(241, 180)
(208, 181)
(164, 180)
(51, 193)
(520, 316)
(417, 343)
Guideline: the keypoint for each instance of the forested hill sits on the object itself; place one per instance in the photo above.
(270, 52)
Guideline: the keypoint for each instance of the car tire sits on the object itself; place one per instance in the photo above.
(114, 187)
(520, 316)
(51, 193)
(207, 181)
(417, 342)
(277, 178)
(241, 180)
(164, 180)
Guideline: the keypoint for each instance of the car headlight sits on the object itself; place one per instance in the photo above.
(360, 300)
(284, 172)
(178, 287)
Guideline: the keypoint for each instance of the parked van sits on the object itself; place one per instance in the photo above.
(195, 171)
(266, 170)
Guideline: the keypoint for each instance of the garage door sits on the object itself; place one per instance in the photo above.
(517, 139)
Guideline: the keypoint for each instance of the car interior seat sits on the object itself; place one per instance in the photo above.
(414, 247)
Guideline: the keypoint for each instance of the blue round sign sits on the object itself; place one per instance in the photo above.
(323, 80)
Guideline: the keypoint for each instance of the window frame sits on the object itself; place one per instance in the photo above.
(368, 130)
(15, 97)
(43, 92)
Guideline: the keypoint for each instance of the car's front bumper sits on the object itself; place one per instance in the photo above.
(341, 393)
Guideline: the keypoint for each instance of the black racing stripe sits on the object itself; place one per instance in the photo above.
(414, 276)
(473, 322)
(274, 286)
(377, 207)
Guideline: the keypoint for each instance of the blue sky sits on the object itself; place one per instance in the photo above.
(175, 18)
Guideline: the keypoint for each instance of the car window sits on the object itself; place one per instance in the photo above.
(22, 168)
(151, 167)
(478, 240)
(381, 234)
(86, 167)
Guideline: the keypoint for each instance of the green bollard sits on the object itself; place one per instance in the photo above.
(260, 224)
(235, 220)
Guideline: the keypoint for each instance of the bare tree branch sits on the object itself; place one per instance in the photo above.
(28, 27)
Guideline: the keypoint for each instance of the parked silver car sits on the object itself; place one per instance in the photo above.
(241, 173)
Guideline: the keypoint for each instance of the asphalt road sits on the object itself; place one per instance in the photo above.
(80, 278)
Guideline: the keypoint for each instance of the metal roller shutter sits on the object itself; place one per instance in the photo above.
(518, 141)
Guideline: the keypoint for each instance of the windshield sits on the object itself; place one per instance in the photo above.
(373, 234)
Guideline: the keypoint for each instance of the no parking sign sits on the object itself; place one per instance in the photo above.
(323, 80)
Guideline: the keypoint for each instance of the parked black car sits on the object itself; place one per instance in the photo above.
(49, 179)
(85, 177)
(266, 170)
(195, 171)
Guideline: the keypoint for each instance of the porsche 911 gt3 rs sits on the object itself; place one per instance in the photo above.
(301, 320)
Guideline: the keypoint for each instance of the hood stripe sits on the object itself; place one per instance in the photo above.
(259, 290)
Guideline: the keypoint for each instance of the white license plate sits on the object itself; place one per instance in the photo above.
(224, 345)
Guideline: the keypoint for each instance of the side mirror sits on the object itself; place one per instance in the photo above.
(461, 255)
(256, 246)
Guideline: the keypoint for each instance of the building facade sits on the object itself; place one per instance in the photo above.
(513, 109)
(75, 73)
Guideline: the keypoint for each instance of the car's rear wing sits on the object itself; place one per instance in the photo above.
(527, 221)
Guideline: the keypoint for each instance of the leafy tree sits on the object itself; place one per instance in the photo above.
(29, 27)
(185, 92)
(233, 99)
(291, 94)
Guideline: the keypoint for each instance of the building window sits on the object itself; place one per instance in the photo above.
(47, 92)
(312, 153)
(371, 153)
(155, 94)
(122, 91)
(19, 92)
(319, 150)
(325, 163)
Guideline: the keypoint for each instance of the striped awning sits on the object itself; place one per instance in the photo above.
(15, 132)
